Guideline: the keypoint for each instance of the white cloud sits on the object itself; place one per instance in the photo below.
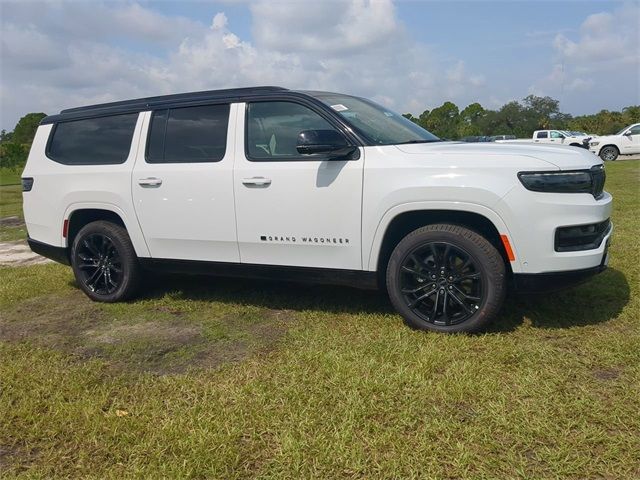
(57, 55)
(604, 59)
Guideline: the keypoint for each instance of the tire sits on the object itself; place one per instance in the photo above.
(105, 263)
(466, 269)
(609, 153)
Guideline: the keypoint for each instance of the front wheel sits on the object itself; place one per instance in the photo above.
(609, 153)
(104, 262)
(446, 278)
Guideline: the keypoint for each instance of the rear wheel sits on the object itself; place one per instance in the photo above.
(105, 263)
(446, 278)
(609, 153)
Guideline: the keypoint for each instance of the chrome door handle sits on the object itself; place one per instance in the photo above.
(256, 182)
(150, 182)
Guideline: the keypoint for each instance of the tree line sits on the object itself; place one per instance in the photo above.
(519, 119)
(446, 121)
(15, 145)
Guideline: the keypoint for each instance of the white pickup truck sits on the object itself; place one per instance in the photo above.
(557, 137)
(625, 142)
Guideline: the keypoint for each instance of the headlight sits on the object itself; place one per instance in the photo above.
(557, 182)
(594, 144)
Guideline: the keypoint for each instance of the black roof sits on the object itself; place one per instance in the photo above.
(140, 104)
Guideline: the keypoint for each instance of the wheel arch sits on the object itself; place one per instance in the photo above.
(401, 221)
(80, 215)
(609, 145)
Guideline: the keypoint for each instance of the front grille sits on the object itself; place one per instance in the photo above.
(581, 237)
(598, 178)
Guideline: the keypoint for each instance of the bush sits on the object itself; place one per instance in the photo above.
(13, 155)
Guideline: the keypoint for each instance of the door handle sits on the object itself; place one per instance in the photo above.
(150, 182)
(256, 182)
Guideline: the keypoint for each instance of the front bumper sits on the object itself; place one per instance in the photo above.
(553, 281)
(533, 219)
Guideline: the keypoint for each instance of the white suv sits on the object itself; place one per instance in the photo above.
(310, 186)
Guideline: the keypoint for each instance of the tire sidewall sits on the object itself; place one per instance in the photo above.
(493, 279)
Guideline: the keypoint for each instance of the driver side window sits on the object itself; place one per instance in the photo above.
(634, 130)
(272, 129)
(555, 134)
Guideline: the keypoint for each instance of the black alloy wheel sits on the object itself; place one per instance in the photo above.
(104, 262)
(99, 263)
(441, 283)
(446, 278)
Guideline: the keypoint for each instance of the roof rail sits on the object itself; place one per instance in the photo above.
(190, 96)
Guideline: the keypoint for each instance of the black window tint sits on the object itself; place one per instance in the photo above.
(155, 150)
(542, 134)
(93, 141)
(273, 129)
(189, 134)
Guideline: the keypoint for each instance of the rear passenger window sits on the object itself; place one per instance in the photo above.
(92, 141)
(542, 134)
(188, 134)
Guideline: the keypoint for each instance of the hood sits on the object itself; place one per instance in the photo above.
(563, 157)
(606, 138)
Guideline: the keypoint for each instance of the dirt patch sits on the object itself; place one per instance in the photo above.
(606, 374)
(18, 254)
(11, 222)
(15, 458)
(141, 341)
(258, 336)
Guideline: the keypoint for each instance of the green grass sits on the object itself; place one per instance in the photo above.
(11, 205)
(214, 378)
(10, 176)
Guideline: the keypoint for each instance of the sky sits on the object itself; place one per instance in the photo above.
(409, 56)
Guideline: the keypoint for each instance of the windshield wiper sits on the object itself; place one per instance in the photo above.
(419, 141)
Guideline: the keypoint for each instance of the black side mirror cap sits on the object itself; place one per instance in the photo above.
(328, 142)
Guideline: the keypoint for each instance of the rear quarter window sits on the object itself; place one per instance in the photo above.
(92, 141)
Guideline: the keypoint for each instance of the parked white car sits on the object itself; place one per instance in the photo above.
(625, 142)
(554, 137)
(310, 186)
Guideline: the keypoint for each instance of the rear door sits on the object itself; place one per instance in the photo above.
(542, 136)
(182, 183)
(293, 209)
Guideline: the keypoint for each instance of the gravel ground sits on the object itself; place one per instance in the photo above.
(18, 254)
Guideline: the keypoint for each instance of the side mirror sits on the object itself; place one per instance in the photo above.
(627, 133)
(324, 141)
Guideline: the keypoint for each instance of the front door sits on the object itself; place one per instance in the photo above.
(294, 209)
(631, 141)
(182, 184)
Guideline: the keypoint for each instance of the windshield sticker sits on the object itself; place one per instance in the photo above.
(339, 107)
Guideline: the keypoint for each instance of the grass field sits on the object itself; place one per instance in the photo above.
(214, 378)
(11, 206)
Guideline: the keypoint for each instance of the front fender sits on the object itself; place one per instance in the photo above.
(391, 213)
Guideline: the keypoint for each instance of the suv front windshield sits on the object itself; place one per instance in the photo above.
(378, 124)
